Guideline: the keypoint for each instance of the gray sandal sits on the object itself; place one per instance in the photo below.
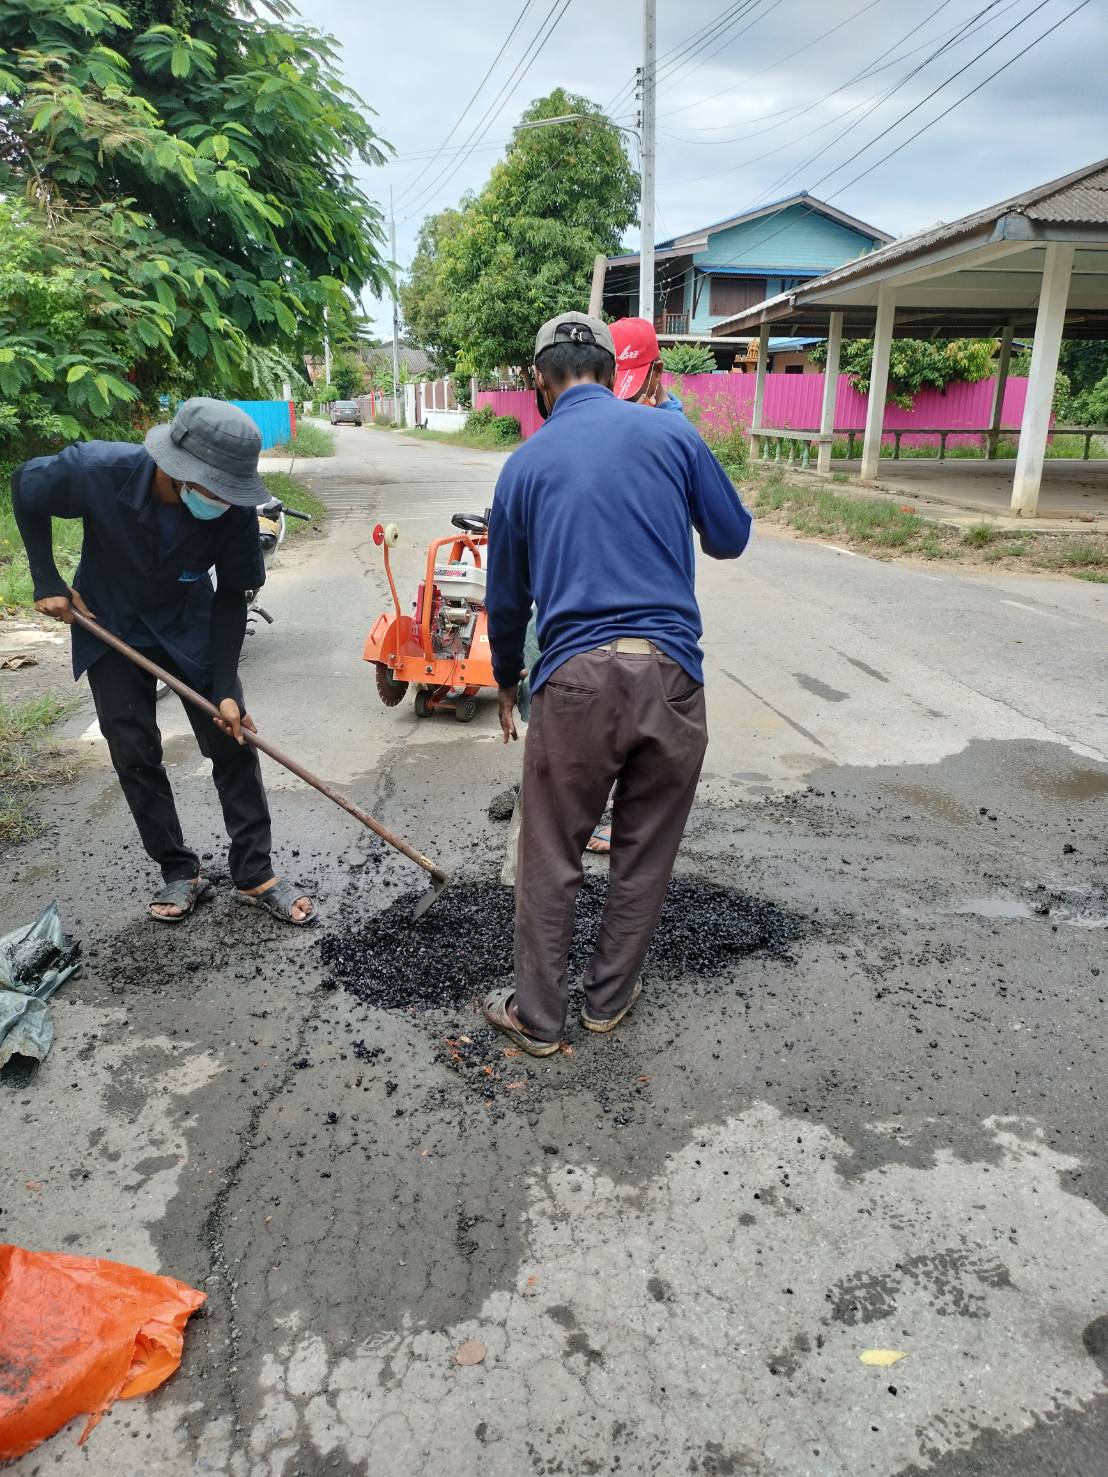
(279, 900)
(183, 894)
(496, 1013)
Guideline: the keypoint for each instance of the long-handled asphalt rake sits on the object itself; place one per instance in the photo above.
(439, 878)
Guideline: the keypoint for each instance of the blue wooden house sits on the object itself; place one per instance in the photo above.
(708, 275)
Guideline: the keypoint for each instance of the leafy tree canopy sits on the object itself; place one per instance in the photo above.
(181, 174)
(916, 364)
(347, 378)
(1084, 361)
(424, 300)
(523, 248)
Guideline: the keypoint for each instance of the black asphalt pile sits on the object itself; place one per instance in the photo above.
(463, 945)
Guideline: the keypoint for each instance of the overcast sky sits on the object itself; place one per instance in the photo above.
(741, 120)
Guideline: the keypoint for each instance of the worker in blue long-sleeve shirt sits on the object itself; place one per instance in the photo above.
(592, 522)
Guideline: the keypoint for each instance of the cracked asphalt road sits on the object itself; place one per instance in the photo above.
(675, 1242)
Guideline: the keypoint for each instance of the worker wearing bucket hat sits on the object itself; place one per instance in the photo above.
(156, 519)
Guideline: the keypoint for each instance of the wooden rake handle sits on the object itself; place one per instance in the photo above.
(190, 695)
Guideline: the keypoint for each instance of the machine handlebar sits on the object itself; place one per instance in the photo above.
(470, 522)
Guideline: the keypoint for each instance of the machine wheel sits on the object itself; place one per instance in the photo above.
(391, 692)
(466, 710)
(423, 707)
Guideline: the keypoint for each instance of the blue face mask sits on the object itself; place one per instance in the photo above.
(200, 506)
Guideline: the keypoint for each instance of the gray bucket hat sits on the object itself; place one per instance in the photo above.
(214, 445)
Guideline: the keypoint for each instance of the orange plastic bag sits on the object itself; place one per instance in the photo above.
(76, 1334)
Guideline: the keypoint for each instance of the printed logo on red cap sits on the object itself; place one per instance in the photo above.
(636, 346)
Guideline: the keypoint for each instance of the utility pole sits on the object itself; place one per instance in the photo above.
(646, 207)
(397, 411)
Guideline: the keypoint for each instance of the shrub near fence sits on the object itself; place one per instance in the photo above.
(518, 403)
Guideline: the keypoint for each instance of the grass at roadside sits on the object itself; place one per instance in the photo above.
(294, 494)
(480, 440)
(28, 760)
(886, 530)
(15, 576)
(310, 440)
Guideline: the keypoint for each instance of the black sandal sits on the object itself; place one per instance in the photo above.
(183, 894)
(280, 900)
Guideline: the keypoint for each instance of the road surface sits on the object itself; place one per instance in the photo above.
(675, 1243)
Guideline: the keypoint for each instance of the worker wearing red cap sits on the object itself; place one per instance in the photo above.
(639, 366)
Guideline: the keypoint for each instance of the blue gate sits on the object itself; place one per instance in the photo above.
(272, 417)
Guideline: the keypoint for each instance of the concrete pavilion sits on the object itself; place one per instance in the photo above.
(1033, 266)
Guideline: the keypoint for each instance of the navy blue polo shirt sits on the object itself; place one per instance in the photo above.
(140, 570)
(592, 522)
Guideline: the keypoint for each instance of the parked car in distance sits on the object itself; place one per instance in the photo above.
(346, 413)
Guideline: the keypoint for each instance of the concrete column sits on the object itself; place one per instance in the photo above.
(1004, 358)
(759, 393)
(878, 384)
(830, 390)
(1049, 322)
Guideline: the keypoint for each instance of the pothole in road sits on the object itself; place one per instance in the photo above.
(463, 945)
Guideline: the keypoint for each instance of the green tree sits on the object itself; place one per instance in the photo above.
(424, 299)
(1084, 361)
(916, 364)
(688, 359)
(185, 173)
(347, 378)
(524, 247)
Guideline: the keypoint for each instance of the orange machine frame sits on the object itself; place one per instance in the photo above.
(402, 645)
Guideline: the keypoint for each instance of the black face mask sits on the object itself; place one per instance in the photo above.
(544, 409)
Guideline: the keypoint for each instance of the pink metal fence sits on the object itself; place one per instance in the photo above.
(793, 403)
(520, 403)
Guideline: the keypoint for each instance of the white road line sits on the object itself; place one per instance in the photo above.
(837, 550)
(1034, 609)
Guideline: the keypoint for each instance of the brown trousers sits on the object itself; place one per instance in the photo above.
(606, 717)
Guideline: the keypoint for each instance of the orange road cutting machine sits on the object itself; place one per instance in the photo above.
(442, 649)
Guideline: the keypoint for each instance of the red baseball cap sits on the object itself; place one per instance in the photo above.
(636, 346)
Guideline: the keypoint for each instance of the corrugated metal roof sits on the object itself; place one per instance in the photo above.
(1078, 197)
(1084, 201)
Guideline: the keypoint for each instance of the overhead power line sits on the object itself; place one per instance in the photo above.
(799, 110)
(531, 54)
(869, 104)
(473, 98)
(725, 40)
(965, 96)
(798, 51)
(682, 47)
(764, 240)
(1042, 4)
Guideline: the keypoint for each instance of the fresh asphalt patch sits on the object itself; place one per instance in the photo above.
(463, 944)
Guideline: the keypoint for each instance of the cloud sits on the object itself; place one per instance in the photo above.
(418, 67)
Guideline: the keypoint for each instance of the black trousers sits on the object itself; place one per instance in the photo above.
(126, 706)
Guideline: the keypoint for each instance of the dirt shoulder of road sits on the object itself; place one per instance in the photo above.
(884, 529)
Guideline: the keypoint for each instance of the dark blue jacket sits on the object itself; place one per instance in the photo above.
(592, 521)
(125, 577)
